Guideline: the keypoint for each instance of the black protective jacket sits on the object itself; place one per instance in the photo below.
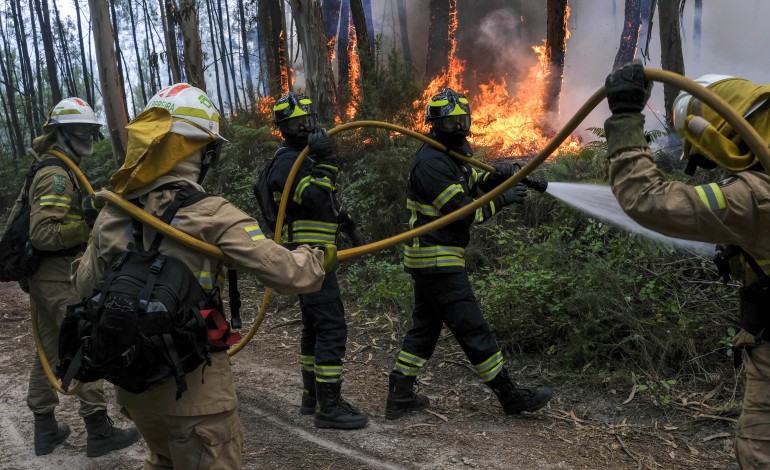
(312, 211)
(439, 184)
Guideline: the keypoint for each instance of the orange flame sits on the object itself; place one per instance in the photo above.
(354, 73)
(506, 124)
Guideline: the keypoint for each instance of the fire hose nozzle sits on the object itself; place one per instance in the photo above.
(537, 185)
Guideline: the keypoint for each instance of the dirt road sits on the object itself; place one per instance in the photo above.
(464, 428)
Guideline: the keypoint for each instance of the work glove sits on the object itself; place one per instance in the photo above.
(515, 195)
(74, 234)
(321, 144)
(506, 170)
(627, 89)
(538, 185)
(90, 210)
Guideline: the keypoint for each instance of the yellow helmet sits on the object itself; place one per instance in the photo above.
(707, 134)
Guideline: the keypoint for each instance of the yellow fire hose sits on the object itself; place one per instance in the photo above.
(744, 129)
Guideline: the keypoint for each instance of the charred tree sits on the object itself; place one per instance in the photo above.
(6, 75)
(319, 78)
(343, 52)
(439, 46)
(555, 50)
(629, 38)
(645, 32)
(696, 30)
(331, 17)
(27, 79)
(113, 95)
(215, 55)
(270, 18)
(363, 40)
(671, 52)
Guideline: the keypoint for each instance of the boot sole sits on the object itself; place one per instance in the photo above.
(48, 450)
(323, 424)
(105, 451)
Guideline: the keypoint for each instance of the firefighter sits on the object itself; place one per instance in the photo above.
(58, 230)
(732, 212)
(439, 184)
(313, 216)
(171, 145)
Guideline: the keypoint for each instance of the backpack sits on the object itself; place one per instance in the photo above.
(18, 258)
(264, 194)
(146, 320)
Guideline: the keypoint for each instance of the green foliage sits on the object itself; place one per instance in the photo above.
(379, 285)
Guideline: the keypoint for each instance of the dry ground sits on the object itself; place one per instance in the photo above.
(584, 428)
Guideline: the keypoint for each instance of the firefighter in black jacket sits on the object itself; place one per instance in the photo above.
(439, 184)
(313, 217)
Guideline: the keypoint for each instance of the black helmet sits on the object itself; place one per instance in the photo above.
(449, 112)
(294, 114)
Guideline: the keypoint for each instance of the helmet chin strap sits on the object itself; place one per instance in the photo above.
(210, 158)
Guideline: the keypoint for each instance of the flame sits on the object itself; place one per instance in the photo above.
(282, 61)
(354, 73)
(506, 124)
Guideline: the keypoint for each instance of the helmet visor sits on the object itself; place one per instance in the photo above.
(460, 122)
(299, 124)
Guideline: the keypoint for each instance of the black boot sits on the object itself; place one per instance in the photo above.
(48, 433)
(401, 396)
(516, 399)
(334, 412)
(103, 437)
(308, 393)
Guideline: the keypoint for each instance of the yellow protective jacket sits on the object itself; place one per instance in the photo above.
(218, 222)
(734, 211)
(56, 220)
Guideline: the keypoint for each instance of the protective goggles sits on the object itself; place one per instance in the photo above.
(460, 122)
(83, 132)
(299, 124)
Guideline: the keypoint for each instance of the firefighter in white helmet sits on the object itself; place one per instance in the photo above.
(732, 212)
(171, 145)
(58, 233)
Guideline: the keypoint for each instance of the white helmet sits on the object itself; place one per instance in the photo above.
(682, 101)
(188, 102)
(72, 111)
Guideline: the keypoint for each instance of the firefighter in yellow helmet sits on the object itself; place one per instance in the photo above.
(58, 232)
(438, 185)
(171, 145)
(733, 213)
(313, 215)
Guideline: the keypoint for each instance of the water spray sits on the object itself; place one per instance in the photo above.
(743, 128)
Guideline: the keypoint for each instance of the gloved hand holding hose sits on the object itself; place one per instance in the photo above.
(507, 170)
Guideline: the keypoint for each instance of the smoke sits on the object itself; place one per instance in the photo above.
(735, 37)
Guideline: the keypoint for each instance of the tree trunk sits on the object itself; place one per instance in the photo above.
(251, 98)
(671, 52)
(363, 40)
(406, 49)
(6, 64)
(343, 53)
(319, 80)
(193, 55)
(696, 30)
(41, 111)
(44, 19)
(331, 17)
(113, 96)
(645, 32)
(86, 76)
(274, 36)
(555, 49)
(124, 79)
(212, 32)
(142, 83)
(629, 38)
(64, 60)
(439, 46)
(26, 68)
(168, 16)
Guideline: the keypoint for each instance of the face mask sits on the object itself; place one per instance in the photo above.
(80, 139)
(459, 124)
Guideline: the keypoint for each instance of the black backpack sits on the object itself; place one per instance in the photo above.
(18, 258)
(145, 321)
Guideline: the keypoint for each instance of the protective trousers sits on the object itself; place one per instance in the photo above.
(191, 442)
(447, 298)
(48, 304)
(752, 442)
(324, 331)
